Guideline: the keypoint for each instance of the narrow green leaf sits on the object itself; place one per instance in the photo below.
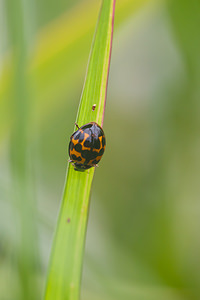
(65, 268)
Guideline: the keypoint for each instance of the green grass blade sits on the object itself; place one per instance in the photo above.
(65, 268)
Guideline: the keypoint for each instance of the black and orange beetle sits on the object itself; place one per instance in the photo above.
(86, 146)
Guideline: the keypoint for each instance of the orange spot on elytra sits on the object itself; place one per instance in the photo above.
(74, 152)
(98, 150)
(74, 141)
(82, 143)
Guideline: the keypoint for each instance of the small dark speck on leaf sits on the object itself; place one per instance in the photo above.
(68, 220)
(94, 106)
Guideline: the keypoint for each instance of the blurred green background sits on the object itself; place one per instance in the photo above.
(143, 232)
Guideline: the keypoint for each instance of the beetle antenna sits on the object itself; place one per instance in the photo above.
(77, 125)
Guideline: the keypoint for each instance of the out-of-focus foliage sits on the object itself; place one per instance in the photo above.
(143, 240)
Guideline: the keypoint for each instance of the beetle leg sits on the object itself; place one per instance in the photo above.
(96, 166)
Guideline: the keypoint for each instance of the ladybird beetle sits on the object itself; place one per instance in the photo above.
(86, 146)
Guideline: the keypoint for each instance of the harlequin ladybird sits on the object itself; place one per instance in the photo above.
(86, 146)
